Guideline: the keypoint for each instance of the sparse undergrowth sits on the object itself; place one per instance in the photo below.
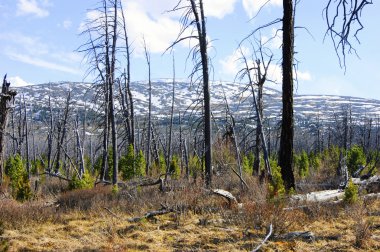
(97, 219)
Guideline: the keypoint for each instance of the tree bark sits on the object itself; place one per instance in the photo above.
(287, 125)
(149, 133)
(201, 29)
(6, 97)
(61, 138)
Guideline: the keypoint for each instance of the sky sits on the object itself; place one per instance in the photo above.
(39, 41)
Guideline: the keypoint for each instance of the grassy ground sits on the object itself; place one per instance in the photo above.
(97, 220)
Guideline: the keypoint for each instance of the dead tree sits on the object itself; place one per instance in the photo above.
(7, 96)
(127, 86)
(260, 80)
(79, 147)
(100, 52)
(61, 132)
(26, 139)
(344, 22)
(285, 159)
(149, 133)
(194, 17)
(50, 138)
(169, 153)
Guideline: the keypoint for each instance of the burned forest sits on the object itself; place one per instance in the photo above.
(114, 163)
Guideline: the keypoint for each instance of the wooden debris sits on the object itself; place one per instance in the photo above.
(302, 235)
(226, 194)
(265, 239)
(149, 215)
(320, 196)
(371, 185)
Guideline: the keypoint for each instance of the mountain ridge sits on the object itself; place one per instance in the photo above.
(306, 107)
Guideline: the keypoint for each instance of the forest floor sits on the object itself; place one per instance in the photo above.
(98, 220)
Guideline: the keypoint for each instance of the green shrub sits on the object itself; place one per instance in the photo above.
(276, 185)
(20, 184)
(87, 181)
(127, 164)
(315, 161)
(303, 165)
(351, 193)
(331, 157)
(174, 169)
(140, 164)
(195, 166)
(115, 189)
(23, 190)
(355, 158)
(247, 163)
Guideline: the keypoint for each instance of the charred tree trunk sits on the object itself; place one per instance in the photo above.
(50, 138)
(149, 131)
(128, 96)
(287, 125)
(111, 99)
(61, 137)
(6, 97)
(260, 85)
(26, 139)
(169, 154)
(202, 38)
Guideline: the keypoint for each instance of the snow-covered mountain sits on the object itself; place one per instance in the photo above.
(238, 96)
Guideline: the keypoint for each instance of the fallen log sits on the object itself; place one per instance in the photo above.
(151, 214)
(371, 185)
(320, 196)
(298, 235)
(226, 194)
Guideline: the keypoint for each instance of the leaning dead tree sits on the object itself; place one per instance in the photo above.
(7, 96)
(193, 19)
(344, 23)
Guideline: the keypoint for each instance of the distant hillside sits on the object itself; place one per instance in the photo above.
(307, 107)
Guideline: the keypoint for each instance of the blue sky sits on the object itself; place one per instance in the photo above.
(38, 39)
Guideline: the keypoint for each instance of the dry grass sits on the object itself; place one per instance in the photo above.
(97, 220)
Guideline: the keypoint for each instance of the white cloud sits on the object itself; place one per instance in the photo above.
(31, 45)
(67, 24)
(158, 32)
(31, 50)
(17, 81)
(32, 7)
(232, 64)
(41, 63)
(251, 7)
(303, 76)
(153, 21)
(219, 8)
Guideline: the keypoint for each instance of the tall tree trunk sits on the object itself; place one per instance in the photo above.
(62, 128)
(79, 148)
(149, 132)
(111, 99)
(256, 164)
(6, 97)
(50, 138)
(287, 125)
(169, 154)
(26, 139)
(202, 37)
(127, 75)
